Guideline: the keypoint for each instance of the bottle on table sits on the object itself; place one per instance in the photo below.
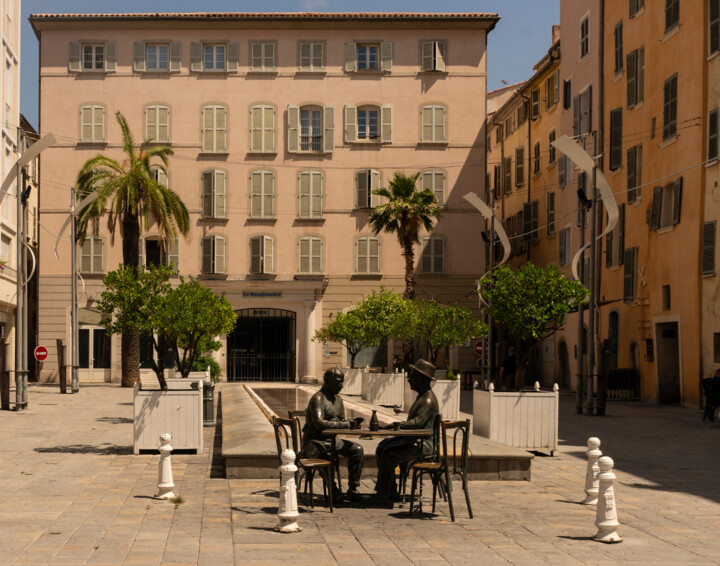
(374, 420)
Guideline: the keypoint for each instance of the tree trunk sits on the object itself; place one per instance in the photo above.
(520, 373)
(409, 270)
(131, 340)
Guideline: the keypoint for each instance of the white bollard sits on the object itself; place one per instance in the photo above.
(536, 386)
(165, 476)
(591, 482)
(287, 504)
(606, 516)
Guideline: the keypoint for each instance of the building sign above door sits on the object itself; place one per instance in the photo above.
(262, 294)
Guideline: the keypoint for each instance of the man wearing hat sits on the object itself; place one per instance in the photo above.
(393, 451)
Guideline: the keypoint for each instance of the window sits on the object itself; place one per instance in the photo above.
(582, 118)
(519, 166)
(156, 57)
(567, 94)
(310, 194)
(509, 125)
(157, 123)
(92, 124)
(666, 205)
(311, 55)
(535, 103)
(564, 247)
(160, 176)
(310, 255)
(666, 297)
(367, 255)
(536, 159)
(5, 242)
(261, 255)
(552, 89)
(708, 247)
(368, 56)
(213, 255)
(507, 174)
(615, 241)
(368, 123)
(311, 128)
(584, 36)
(433, 55)
(432, 123)
(154, 251)
(618, 47)
(262, 55)
(435, 182)
(497, 178)
(670, 108)
(214, 57)
(92, 57)
(712, 152)
(634, 173)
(262, 194)
(521, 115)
(635, 77)
(499, 134)
(636, 6)
(672, 14)
(366, 182)
(531, 220)
(551, 152)
(714, 17)
(214, 132)
(615, 139)
(91, 255)
(564, 171)
(433, 255)
(214, 191)
(629, 279)
(551, 213)
(262, 129)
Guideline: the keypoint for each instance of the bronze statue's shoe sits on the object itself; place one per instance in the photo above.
(353, 495)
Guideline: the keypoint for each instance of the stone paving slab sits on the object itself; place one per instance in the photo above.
(73, 493)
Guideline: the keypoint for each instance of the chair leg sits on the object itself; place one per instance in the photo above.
(436, 487)
(310, 477)
(448, 481)
(326, 483)
(412, 490)
(467, 493)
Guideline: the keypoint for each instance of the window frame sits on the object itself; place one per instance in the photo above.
(262, 138)
(198, 56)
(217, 131)
(92, 242)
(433, 56)
(634, 173)
(672, 14)
(616, 139)
(95, 58)
(217, 262)
(368, 257)
(431, 256)
(263, 57)
(158, 68)
(670, 106)
(167, 251)
(158, 108)
(213, 194)
(312, 257)
(584, 36)
(314, 198)
(372, 182)
(295, 128)
(519, 166)
(666, 205)
(93, 124)
(433, 175)
(635, 6)
(261, 196)
(618, 48)
(259, 261)
(713, 131)
(438, 130)
(713, 27)
(311, 57)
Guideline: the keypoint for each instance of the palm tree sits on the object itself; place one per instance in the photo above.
(405, 212)
(128, 192)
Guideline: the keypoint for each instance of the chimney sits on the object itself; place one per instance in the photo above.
(555, 33)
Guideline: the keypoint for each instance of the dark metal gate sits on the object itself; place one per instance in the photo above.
(262, 346)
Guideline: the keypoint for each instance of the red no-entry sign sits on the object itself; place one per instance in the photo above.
(41, 353)
(479, 347)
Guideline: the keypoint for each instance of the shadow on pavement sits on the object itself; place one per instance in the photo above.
(87, 449)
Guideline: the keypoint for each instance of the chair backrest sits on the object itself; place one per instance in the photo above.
(437, 423)
(286, 435)
(455, 461)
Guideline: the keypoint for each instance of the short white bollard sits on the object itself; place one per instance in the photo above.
(165, 476)
(287, 504)
(606, 516)
(591, 482)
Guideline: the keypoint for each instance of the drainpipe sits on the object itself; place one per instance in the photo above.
(529, 170)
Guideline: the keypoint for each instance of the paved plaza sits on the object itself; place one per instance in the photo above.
(74, 493)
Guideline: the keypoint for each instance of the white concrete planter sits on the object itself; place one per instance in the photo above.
(525, 419)
(383, 388)
(177, 411)
(448, 394)
(353, 381)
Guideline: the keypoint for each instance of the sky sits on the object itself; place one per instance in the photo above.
(519, 40)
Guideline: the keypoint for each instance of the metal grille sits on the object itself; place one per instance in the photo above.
(262, 346)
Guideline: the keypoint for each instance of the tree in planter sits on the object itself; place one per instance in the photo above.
(128, 193)
(532, 303)
(347, 329)
(437, 326)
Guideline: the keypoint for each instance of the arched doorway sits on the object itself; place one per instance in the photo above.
(262, 346)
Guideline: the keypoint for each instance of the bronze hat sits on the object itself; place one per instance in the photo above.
(425, 368)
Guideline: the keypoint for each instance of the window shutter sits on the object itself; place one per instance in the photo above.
(439, 121)
(641, 74)
(233, 55)
(350, 124)
(428, 49)
(138, 57)
(163, 120)
(98, 248)
(293, 117)
(316, 195)
(656, 206)
(316, 255)
(86, 123)
(551, 213)
(150, 122)
(609, 248)
(361, 182)
(220, 129)
(207, 193)
(268, 194)
(426, 131)
(329, 129)
(633, 7)
(75, 65)
(440, 57)
(256, 180)
(621, 233)
(208, 129)
(556, 89)
(562, 182)
(373, 255)
(708, 248)
(713, 135)
(631, 79)
(677, 200)
(438, 255)
(86, 256)
(631, 178)
(175, 56)
(304, 194)
(304, 255)
(196, 63)
(256, 253)
(162, 178)
(374, 185)
(576, 115)
(98, 123)
(350, 57)
(174, 253)
(256, 128)
(615, 139)
(386, 124)
(110, 62)
(386, 54)
(527, 220)
(535, 220)
(220, 194)
(629, 276)
(361, 255)
(207, 249)
(269, 129)
(714, 17)
(219, 254)
(268, 255)
(141, 252)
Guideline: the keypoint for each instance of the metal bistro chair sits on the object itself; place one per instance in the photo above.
(441, 472)
(406, 467)
(288, 432)
(711, 388)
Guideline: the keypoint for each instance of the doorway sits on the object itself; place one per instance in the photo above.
(667, 353)
(262, 346)
(94, 355)
(563, 365)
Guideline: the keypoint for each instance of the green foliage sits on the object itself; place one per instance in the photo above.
(202, 362)
(450, 374)
(347, 329)
(531, 302)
